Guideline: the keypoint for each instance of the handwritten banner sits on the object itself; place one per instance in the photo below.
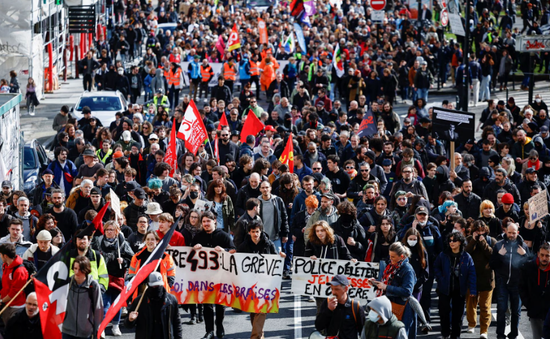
(250, 282)
(310, 277)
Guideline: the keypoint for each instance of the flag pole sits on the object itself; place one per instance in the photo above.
(141, 299)
(17, 294)
(210, 144)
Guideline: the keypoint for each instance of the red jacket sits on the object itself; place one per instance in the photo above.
(13, 279)
(177, 238)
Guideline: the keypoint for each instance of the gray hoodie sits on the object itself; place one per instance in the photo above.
(382, 306)
(84, 309)
(158, 81)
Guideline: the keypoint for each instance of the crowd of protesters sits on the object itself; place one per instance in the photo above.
(391, 197)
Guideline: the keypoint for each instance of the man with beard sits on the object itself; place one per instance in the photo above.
(408, 184)
(135, 208)
(486, 153)
(388, 153)
(501, 182)
(158, 314)
(338, 177)
(25, 323)
(355, 190)
(535, 289)
(521, 148)
(250, 190)
(97, 263)
(509, 255)
(326, 146)
(460, 173)
(468, 202)
(227, 146)
(40, 191)
(66, 218)
(312, 155)
(308, 190)
(530, 180)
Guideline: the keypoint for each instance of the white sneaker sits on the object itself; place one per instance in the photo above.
(116, 331)
(103, 335)
(483, 335)
(124, 312)
(470, 330)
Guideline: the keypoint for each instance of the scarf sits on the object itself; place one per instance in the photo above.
(535, 164)
(389, 274)
(194, 231)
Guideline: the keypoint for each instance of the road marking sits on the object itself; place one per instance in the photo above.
(298, 317)
(507, 329)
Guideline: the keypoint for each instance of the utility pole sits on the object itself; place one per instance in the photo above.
(465, 53)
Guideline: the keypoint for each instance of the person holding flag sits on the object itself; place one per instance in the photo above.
(158, 316)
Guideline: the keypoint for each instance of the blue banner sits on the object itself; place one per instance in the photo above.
(300, 37)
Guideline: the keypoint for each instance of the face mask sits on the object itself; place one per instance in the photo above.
(455, 230)
(156, 292)
(422, 223)
(538, 100)
(412, 243)
(194, 195)
(120, 73)
(373, 316)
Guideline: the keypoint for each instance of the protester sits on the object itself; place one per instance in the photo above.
(14, 277)
(26, 322)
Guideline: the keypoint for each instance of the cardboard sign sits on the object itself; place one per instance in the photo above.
(452, 125)
(115, 203)
(538, 207)
(250, 282)
(310, 277)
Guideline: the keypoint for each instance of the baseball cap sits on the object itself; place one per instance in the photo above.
(95, 191)
(155, 279)
(139, 193)
(339, 280)
(386, 162)
(126, 136)
(544, 129)
(131, 185)
(270, 128)
(6, 183)
(47, 171)
(530, 170)
(421, 210)
(153, 136)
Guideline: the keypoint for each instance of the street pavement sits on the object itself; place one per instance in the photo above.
(297, 315)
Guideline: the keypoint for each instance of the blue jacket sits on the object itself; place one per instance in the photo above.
(431, 238)
(246, 149)
(345, 152)
(305, 171)
(59, 174)
(402, 285)
(194, 70)
(299, 203)
(467, 278)
(244, 69)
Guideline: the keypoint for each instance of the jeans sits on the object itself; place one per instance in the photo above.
(108, 298)
(475, 91)
(485, 90)
(289, 251)
(174, 96)
(87, 82)
(422, 93)
(507, 292)
(426, 299)
(404, 92)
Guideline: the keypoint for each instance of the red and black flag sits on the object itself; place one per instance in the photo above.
(297, 8)
(149, 266)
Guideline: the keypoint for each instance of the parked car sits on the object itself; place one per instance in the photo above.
(104, 105)
(35, 161)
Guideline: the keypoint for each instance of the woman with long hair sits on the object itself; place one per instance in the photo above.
(381, 240)
(480, 247)
(223, 206)
(487, 215)
(397, 283)
(533, 234)
(418, 259)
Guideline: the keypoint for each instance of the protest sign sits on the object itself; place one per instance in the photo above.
(115, 203)
(538, 207)
(250, 282)
(368, 125)
(310, 277)
(452, 125)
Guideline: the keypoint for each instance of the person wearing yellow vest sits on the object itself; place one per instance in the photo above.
(105, 152)
(206, 75)
(230, 73)
(83, 247)
(255, 73)
(175, 84)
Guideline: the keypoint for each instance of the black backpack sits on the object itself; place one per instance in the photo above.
(31, 269)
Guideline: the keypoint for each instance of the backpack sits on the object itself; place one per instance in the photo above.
(31, 270)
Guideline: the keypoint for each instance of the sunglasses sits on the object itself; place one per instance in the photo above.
(351, 167)
(453, 240)
(317, 169)
(407, 172)
(364, 170)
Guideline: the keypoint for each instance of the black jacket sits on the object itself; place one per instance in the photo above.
(216, 238)
(469, 206)
(336, 250)
(241, 228)
(19, 326)
(245, 193)
(131, 213)
(171, 320)
(284, 92)
(280, 218)
(508, 266)
(534, 289)
(355, 231)
(344, 321)
(264, 246)
(298, 223)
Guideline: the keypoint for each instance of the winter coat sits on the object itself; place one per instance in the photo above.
(335, 250)
(481, 250)
(280, 218)
(508, 266)
(20, 326)
(355, 231)
(534, 289)
(443, 274)
(241, 228)
(109, 251)
(264, 246)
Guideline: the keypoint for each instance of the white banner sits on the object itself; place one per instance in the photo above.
(533, 43)
(538, 207)
(310, 277)
(250, 282)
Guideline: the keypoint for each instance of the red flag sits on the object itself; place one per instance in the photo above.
(217, 149)
(223, 122)
(287, 157)
(252, 126)
(149, 266)
(220, 46)
(51, 284)
(98, 220)
(192, 129)
(297, 8)
(233, 42)
(171, 157)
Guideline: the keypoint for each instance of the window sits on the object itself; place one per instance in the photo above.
(101, 104)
